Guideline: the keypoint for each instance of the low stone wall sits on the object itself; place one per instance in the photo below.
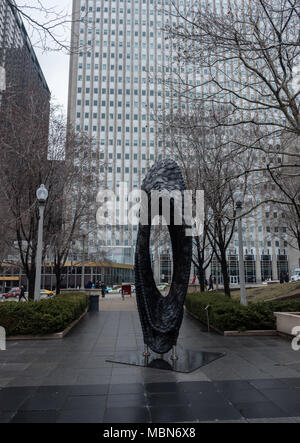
(287, 322)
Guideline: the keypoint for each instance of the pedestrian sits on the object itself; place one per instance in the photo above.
(22, 293)
(210, 284)
(281, 278)
(287, 278)
(103, 288)
(194, 280)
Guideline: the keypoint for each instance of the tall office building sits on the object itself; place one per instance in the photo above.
(118, 49)
(123, 73)
(19, 66)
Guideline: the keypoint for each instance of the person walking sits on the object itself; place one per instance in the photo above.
(287, 278)
(22, 294)
(103, 288)
(281, 277)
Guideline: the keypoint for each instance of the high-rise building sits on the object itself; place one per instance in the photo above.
(123, 77)
(117, 52)
(19, 66)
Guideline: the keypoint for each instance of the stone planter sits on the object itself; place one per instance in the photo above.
(287, 322)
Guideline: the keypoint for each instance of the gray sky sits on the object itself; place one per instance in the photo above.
(54, 64)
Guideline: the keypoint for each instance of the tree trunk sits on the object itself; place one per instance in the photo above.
(58, 279)
(224, 268)
(31, 284)
(201, 277)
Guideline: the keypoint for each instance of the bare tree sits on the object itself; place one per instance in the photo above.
(70, 154)
(207, 163)
(31, 155)
(48, 26)
(251, 53)
(249, 57)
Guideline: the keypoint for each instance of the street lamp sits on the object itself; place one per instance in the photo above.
(84, 235)
(42, 195)
(239, 206)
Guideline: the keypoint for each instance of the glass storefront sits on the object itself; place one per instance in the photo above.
(266, 268)
(250, 269)
(282, 265)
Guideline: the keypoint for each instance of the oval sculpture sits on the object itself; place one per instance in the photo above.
(160, 316)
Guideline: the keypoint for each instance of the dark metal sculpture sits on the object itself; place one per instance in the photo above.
(160, 316)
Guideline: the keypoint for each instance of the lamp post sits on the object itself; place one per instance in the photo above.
(241, 252)
(42, 195)
(84, 235)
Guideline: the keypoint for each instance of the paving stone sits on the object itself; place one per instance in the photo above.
(35, 417)
(260, 410)
(127, 415)
(70, 381)
(85, 402)
(89, 390)
(171, 414)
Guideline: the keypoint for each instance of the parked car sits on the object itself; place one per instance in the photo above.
(45, 293)
(296, 275)
(14, 292)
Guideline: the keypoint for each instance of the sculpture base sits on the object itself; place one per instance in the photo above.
(188, 361)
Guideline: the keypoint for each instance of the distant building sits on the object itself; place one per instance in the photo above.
(118, 49)
(19, 66)
(24, 103)
(120, 69)
(109, 273)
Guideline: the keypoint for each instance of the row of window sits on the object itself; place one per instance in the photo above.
(111, 129)
(95, 115)
(261, 244)
(119, 91)
(144, 2)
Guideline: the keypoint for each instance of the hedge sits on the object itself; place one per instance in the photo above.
(44, 317)
(226, 314)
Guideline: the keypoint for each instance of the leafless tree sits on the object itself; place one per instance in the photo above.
(71, 155)
(249, 54)
(207, 162)
(33, 154)
(47, 26)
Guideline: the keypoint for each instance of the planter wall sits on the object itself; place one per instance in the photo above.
(287, 321)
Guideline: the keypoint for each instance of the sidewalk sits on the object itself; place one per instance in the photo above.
(70, 380)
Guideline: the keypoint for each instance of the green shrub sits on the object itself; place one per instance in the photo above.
(44, 317)
(226, 314)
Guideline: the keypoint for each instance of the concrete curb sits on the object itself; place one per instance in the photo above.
(55, 336)
(263, 333)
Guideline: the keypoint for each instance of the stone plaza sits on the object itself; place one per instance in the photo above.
(70, 380)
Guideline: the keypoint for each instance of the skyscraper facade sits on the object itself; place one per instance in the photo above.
(19, 66)
(118, 49)
(126, 80)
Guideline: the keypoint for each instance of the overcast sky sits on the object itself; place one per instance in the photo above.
(55, 65)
